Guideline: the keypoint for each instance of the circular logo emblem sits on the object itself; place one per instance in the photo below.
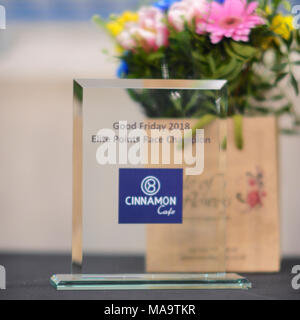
(150, 186)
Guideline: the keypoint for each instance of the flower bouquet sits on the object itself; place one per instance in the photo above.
(249, 43)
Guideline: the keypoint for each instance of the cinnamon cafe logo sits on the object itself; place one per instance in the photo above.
(150, 195)
(150, 186)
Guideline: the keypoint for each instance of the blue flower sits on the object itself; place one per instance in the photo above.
(220, 1)
(164, 4)
(123, 69)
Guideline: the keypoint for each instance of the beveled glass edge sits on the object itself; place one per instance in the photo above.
(77, 176)
(153, 84)
(150, 281)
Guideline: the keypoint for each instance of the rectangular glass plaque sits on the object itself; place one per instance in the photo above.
(149, 178)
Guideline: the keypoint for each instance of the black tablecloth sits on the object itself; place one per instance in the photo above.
(28, 278)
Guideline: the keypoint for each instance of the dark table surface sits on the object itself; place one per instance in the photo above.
(28, 278)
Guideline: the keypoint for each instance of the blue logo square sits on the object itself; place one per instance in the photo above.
(150, 196)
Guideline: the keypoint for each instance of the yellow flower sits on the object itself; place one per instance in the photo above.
(116, 26)
(127, 16)
(282, 25)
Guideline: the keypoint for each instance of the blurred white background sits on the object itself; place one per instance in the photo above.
(38, 60)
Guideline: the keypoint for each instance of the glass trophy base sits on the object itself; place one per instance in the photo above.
(149, 281)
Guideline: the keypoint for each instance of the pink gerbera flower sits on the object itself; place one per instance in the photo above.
(232, 19)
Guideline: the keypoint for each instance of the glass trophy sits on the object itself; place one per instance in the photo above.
(149, 186)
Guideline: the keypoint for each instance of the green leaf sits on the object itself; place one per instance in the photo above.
(236, 72)
(224, 144)
(99, 21)
(177, 104)
(294, 84)
(262, 110)
(155, 56)
(259, 98)
(212, 64)
(263, 4)
(232, 54)
(287, 5)
(289, 131)
(78, 91)
(196, 55)
(238, 131)
(277, 97)
(280, 77)
(276, 4)
(298, 37)
(264, 85)
(297, 121)
(297, 63)
(243, 50)
(192, 101)
(279, 67)
(285, 109)
(227, 68)
(203, 122)
(289, 41)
